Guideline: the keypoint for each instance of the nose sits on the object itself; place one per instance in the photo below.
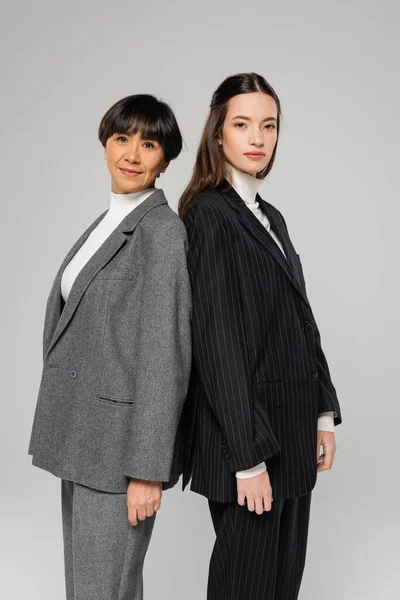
(256, 138)
(132, 153)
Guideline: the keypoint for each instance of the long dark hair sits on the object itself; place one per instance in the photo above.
(209, 169)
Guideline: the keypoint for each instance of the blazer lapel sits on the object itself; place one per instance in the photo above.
(279, 229)
(55, 300)
(263, 237)
(99, 259)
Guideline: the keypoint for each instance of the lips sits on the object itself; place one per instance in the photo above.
(255, 155)
(130, 172)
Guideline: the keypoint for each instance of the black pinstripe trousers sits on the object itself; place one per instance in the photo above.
(258, 557)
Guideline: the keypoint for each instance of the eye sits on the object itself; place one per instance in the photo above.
(240, 125)
(270, 126)
(148, 144)
(121, 138)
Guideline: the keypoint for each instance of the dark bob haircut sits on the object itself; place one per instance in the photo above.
(144, 114)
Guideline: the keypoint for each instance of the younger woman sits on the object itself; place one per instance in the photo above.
(261, 401)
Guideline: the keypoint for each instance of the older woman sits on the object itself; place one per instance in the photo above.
(117, 355)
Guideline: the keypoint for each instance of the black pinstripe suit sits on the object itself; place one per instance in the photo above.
(259, 377)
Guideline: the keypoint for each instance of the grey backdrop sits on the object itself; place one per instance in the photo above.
(335, 68)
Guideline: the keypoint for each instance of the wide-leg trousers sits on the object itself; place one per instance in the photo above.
(103, 552)
(258, 557)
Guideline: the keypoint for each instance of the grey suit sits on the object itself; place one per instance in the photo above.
(117, 357)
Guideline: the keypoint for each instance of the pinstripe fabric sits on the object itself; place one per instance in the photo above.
(259, 557)
(259, 377)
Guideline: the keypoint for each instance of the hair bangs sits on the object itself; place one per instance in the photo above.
(149, 127)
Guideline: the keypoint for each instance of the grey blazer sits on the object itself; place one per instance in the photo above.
(117, 357)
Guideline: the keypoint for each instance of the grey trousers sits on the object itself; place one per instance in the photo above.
(103, 553)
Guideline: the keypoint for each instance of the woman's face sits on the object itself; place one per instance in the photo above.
(249, 132)
(133, 162)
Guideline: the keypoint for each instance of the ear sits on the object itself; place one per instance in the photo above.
(165, 167)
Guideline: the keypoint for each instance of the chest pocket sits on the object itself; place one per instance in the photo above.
(112, 273)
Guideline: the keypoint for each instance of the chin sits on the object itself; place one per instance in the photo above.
(246, 168)
(127, 189)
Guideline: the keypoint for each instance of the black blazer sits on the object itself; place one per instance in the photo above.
(259, 376)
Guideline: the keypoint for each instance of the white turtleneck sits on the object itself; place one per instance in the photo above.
(120, 206)
(247, 187)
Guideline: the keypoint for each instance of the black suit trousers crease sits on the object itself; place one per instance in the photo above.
(258, 557)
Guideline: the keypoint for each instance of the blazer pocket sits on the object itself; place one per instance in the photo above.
(270, 394)
(117, 274)
(114, 401)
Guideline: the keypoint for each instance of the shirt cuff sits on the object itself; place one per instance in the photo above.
(257, 470)
(325, 421)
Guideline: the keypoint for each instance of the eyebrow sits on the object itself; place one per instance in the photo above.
(248, 118)
(144, 139)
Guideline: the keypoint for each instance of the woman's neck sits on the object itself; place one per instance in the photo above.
(245, 185)
(130, 199)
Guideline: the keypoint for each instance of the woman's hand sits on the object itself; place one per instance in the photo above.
(143, 499)
(326, 439)
(257, 492)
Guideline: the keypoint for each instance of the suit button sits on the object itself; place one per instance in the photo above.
(309, 324)
(315, 377)
(72, 374)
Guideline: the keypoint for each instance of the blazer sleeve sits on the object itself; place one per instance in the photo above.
(163, 356)
(219, 342)
(328, 400)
